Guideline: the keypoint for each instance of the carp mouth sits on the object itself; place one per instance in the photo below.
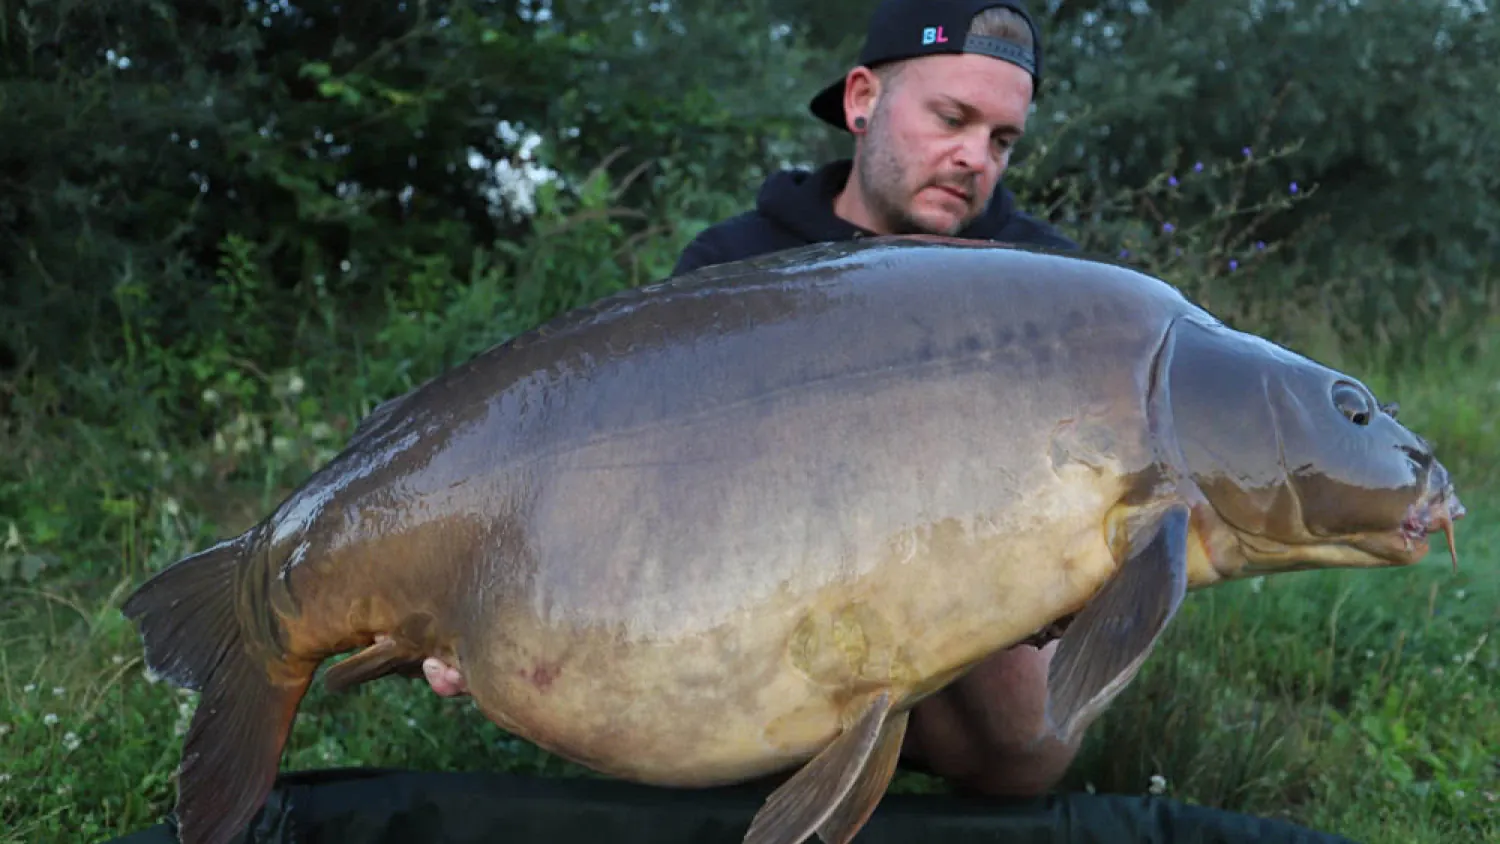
(1405, 544)
(1436, 513)
(1408, 543)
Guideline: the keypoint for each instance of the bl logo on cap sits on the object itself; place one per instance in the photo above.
(934, 35)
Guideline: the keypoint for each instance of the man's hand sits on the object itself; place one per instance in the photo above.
(984, 732)
(445, 680)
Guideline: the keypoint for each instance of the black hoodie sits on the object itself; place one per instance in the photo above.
(795, 208)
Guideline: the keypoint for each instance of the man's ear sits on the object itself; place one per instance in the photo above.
(861, 88)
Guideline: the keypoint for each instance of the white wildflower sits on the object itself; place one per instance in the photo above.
(1158, 784)
(171, 507)
(118, 659)
(29, 688)
(58, 691)
(1470, 655)
(4, 778)
(71, 740)
(49, 719)
(295, 385)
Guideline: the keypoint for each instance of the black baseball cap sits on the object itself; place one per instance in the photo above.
(903, 29)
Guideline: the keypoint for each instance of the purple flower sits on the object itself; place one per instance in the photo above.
(1167, 227)
(1293, 187)
(1233, 265)
(1246, 151)
(1172, 180)
(1198, 167)
(1124, 252)
(1260, 244)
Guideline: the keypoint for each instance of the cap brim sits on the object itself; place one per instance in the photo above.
(828, 105)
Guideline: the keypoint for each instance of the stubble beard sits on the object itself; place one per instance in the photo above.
(881, 176)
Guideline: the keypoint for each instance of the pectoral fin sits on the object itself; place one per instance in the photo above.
(860, 802)
(834, 793)
(1106, 644)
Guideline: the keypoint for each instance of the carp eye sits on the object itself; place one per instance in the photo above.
(1353, 403)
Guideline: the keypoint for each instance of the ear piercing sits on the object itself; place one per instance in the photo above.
(859, 123)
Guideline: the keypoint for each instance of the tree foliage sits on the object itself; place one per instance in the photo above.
(1384, 102)
(334, 150)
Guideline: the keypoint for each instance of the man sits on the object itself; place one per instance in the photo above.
(936, 105)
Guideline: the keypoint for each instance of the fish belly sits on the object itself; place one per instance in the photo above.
(701, 604)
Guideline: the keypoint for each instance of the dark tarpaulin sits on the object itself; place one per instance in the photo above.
(377, 806)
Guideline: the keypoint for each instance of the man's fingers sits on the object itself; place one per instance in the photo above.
(445, 680)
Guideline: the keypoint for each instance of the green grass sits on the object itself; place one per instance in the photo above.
(1359, 702)
(1356, 702)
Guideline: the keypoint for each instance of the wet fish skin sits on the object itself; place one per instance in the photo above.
(698, 532)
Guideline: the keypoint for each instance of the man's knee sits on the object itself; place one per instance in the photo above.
(987, 731)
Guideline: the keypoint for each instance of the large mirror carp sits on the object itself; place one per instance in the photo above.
(740, 522)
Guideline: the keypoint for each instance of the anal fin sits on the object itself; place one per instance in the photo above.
(1110, 638)
(386, 656)
(814, 795)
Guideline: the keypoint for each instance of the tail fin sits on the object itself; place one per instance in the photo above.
(187, 619)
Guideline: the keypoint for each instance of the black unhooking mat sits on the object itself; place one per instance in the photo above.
(378, 806)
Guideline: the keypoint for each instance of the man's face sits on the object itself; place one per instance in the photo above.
(938, 140)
